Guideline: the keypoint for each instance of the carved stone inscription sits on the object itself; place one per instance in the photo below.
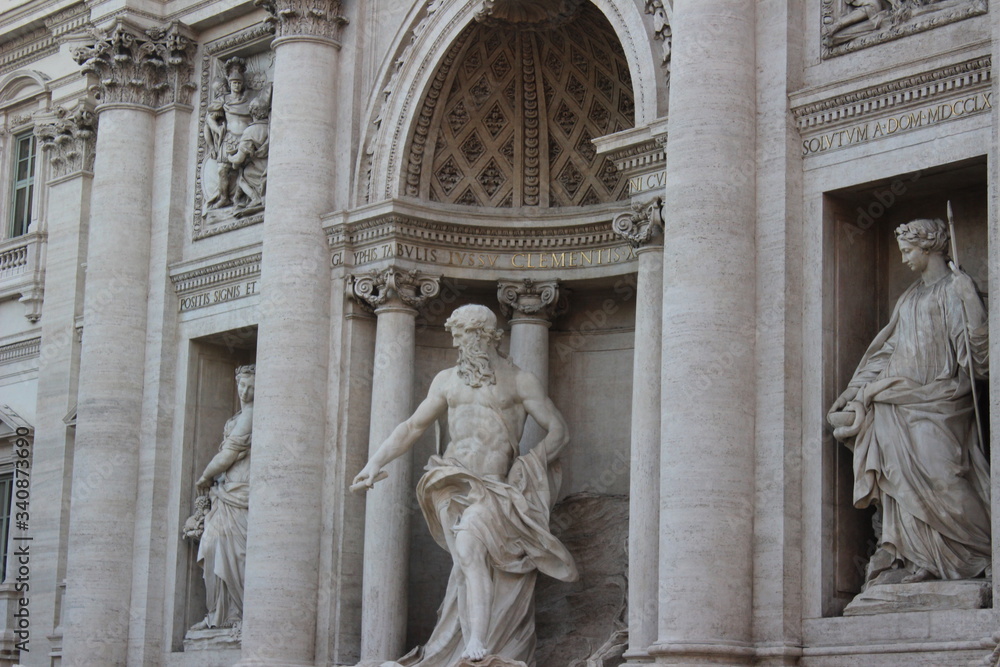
(902, 122)
(563, 259)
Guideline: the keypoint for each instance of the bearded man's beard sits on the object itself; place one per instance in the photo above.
(474, 365)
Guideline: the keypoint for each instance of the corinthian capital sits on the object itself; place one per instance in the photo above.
(643, 225)
(68, 137)
(530, 298)
(304, 18)
(146, 67)
(394, 287)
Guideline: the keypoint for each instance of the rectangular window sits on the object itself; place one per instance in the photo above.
(6, 495)
(24, 183)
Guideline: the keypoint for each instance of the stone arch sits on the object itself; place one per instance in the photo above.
(23, 83)
(431, 30)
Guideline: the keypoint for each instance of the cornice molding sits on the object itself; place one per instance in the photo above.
(21, 350)
(468, 237)
(926, 87)
(219, 273)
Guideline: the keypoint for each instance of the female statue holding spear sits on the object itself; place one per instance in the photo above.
(909, 416)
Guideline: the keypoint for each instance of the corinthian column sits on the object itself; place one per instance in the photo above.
(642, 228)
(707, 399)
(395, 295)
(289, 432)
(530, 306)
(135, 72)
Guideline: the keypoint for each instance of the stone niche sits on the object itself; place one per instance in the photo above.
(863, 278)
(590, 346)
(211, 401)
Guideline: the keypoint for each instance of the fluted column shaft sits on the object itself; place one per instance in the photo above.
(106, 458)
(282, 567)
(707, 400)
(530, 307)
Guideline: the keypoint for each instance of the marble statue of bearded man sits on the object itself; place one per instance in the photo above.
(487, 506)
(913, 431)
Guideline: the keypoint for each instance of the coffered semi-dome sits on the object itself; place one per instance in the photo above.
(510, 115)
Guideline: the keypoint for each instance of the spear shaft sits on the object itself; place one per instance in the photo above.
(956, 267)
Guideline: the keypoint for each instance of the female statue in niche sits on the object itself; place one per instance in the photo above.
(222, 550)
(909, 418)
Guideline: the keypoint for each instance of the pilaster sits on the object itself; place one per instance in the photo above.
(67, 139)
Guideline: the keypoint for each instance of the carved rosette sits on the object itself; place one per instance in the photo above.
(393, 287)
(150, 68)
(531, 298)
(69, 138)
(641, 226)
(304, 18)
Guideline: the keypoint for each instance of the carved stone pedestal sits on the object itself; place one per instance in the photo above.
(212, 639)
(923, 596)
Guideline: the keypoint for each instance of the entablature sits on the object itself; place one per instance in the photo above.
(830, 119)
(480, 244)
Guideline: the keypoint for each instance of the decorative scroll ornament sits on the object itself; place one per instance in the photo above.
(150, 68)
(528, 297)
(528, 14)
(69, 138)
(641, 226)
(384, 287)
(663, 16)
(313, 18)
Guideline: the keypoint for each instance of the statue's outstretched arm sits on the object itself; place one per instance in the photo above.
(404, 435)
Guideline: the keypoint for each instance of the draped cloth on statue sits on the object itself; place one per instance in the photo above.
(511, 518)
(916, 453)
(223, 547)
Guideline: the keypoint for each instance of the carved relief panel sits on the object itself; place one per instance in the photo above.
(236, 83)
(849, 25)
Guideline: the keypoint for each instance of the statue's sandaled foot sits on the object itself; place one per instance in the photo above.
(474, 650)
(923, 574)
(201, 625)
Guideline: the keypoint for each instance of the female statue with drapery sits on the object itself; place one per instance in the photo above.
(908, 415)
(223, 528)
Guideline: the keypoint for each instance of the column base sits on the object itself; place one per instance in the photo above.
(685, 654)
(636, 657)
